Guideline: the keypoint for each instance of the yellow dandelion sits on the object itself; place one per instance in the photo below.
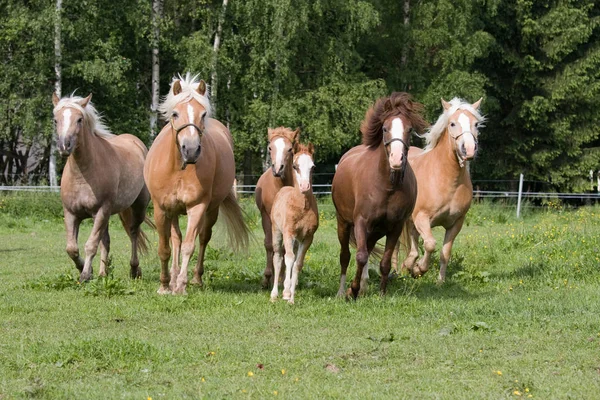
(149, 398)
(244, 391)
(250, 373)
(527, 390)
(517, 393)
(499, 373)
(203, 380)
(529, 395)
(283, 372)
(275, 392)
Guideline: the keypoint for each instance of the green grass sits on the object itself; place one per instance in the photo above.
(522, 297)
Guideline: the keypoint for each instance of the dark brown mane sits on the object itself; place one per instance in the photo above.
(398, 103)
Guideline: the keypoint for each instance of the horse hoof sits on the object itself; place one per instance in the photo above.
(85, 277)
(341, 293)
(163, 290)
(440, 281)
(286, 296)
(266, 282)
(273, 299)
(180, 289)
(197, 281)
(350, 294)
(136, 273)
(291, 301)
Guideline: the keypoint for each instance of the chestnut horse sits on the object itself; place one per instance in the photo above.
(445, 189)
(295, 219)
(103, 176)
(190, 170)
(374, 188)
(281, 141)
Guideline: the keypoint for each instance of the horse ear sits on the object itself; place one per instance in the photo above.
(269, 133)
(176, 87)
(55, 99)
(477, 104)
(311, 148)
(296, 135)
(84, 102)
(296, 147)
(446, 105)
(201, 87)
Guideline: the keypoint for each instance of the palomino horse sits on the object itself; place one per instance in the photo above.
(445, 189)
(281, 141)
(374, 188)
(295, 219)
(190, 170)
(103, 176)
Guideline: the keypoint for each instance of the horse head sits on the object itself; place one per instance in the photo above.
(463, 128)
(390, 121)
(68, 120)
(303, 165)
(281, 143)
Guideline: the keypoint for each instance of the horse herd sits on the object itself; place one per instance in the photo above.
(382, 187)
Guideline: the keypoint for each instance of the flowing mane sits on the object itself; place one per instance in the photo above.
(398, 103)
(91, 118)
(189, 86)
(434, 133)
(283, 132)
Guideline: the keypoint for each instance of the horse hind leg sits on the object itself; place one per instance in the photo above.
(447, 248)
(104, 250)
(203, 238)
(290, 258)
(298, 264)
(385, 265)
(412, 244)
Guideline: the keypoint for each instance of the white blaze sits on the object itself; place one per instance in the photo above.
(305, 164)
(396, 147)
(279, 147)
(467, 137)
(191, 119)
(66, 121)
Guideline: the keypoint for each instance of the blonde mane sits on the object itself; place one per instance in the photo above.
(91, 118)
(189, 86)
(434, 133)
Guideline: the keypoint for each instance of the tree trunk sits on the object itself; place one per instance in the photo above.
(406, 10)
(214, 75)
(157, 10)
(57, 88)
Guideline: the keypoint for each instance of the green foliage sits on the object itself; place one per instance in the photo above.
(38, 205)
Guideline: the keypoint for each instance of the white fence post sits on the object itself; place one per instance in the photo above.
(520, 194)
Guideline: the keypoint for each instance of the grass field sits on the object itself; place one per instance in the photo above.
(517, 317)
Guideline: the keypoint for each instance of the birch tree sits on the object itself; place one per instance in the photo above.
(157, 10)
(57, 88)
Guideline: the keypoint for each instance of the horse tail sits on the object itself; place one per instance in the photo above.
(237, 229)
(377, 252)
(402, 245)
(142, 242)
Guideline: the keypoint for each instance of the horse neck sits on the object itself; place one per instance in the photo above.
(444, 156)
(85, 156)
(288, 178)
(174, 159)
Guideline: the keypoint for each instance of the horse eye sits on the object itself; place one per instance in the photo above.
(453, 124)
(384, 129)
(79, 120)
(175, 115)
(290, 150)
(269, 148)
(55, 121)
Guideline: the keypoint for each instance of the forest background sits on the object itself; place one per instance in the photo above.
(314, 64)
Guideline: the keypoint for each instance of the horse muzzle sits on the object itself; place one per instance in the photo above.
(277, 173)
(64, 147)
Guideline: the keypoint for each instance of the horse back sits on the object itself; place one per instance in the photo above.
(290, 216)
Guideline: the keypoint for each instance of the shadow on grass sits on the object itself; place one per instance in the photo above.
(527, 270)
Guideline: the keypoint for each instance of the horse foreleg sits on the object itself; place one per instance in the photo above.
(104, 250)
(344, 239)
(298, 264)
(204, 238)
(278, 252)
(176, 249)
(268, 229)
(424, 229)
(163, 228)
(195, 219)
(413, 252)
(72, 227)
(391, 242)
(91, 246)
(447, 248)
(362, 257)
(290, 258)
